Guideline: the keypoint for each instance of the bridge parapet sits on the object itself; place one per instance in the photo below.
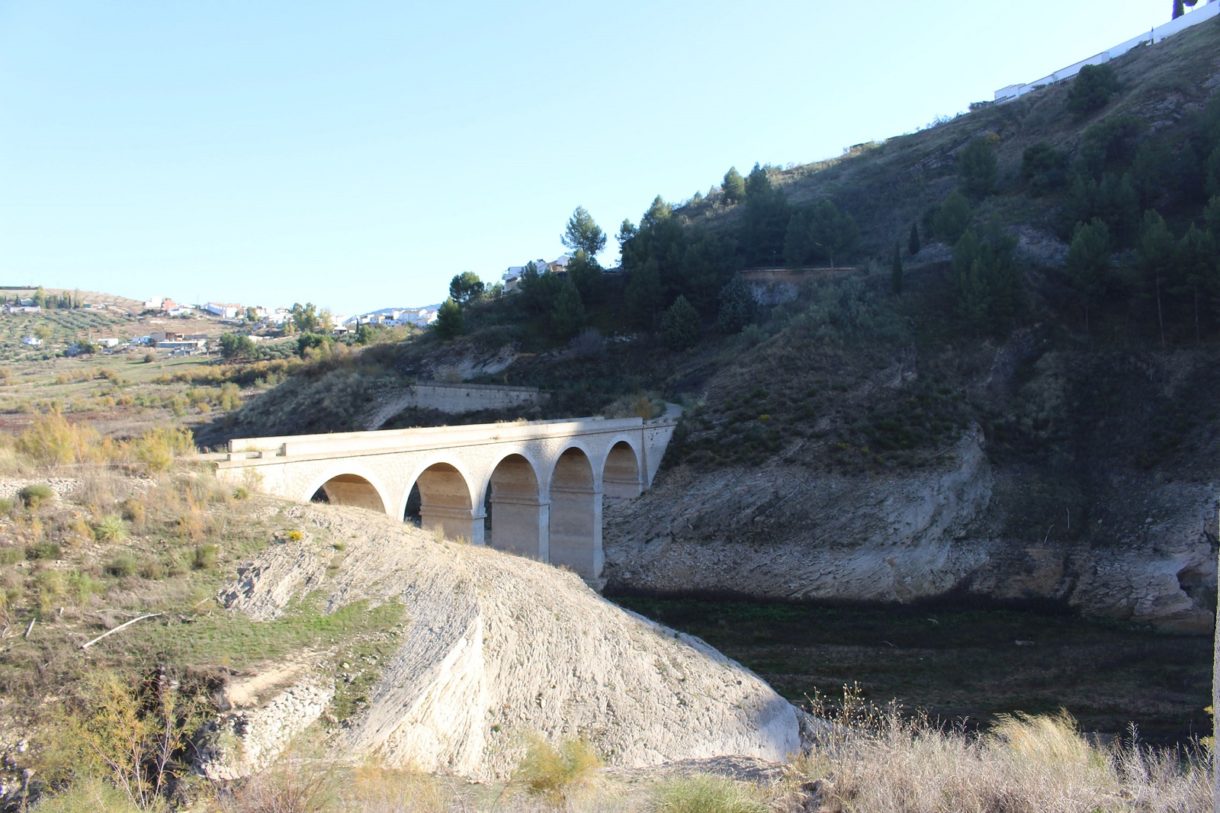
(432, 437)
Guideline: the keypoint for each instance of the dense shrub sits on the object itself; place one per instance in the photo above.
(156, 449)
(51, 440)
(1043, 168)
(1092, 89)
(35, 495)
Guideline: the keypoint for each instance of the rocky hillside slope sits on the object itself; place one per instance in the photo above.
(1015, 470)
(494, 649)
(956, 530)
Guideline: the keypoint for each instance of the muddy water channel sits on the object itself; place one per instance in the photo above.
(962, 663)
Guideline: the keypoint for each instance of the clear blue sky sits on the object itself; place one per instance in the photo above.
(359, 154)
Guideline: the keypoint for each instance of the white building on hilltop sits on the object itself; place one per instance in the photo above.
(1155, 35)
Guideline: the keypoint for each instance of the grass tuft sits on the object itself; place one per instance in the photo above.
(703, 793)
(110, 528)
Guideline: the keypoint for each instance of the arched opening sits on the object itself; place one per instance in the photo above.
(517, 516)
(444, 504)
(411, 514)
(349, 489)
(576, 515)
(621, 480)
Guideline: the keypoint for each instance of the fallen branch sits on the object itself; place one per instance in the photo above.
(30, 628)
(108, 633)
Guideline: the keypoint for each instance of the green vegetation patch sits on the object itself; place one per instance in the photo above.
(234, 640)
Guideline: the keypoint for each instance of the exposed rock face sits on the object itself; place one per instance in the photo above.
(785, 532)
(264, 725)
(498, 648)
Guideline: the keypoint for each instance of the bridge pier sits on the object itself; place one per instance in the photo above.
(455, 523)
(521, 525)
(576, 530)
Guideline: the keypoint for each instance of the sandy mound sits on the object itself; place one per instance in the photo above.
(498, 647)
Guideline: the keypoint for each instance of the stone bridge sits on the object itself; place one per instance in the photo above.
(533, 488)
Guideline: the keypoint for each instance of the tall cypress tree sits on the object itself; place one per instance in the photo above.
(913, 244)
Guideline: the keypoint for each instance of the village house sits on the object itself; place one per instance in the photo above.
(512, 277)
(224, 311)
(183, 347)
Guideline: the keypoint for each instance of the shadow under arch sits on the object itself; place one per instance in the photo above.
(576, 515)
(444, 504)
(349, 489)
(518, 517)
(621, 478)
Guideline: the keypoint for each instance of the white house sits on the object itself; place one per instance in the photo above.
(222, 310)
(393, 317)
(278, 317)
(512, 277)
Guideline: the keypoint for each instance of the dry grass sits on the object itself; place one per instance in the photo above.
(879, 761)
(288, 787)
(555, 773)
(52, 441)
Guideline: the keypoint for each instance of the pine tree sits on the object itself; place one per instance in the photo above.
(952, 218)
(1088, 264)
(1211, 216)
(448, 323)
(896, 271)
(583, 233)
(734, 185)
(567, 312)
(913, 245)
(643, 295)
(1157, 259)
(736, 306)
(680, 325)
(1197, 258)
(466, 287)
(977, 168)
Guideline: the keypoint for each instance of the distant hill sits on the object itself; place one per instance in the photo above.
(132, 306)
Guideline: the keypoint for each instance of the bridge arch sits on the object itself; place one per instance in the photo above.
(575, 536)
(622, 470)
(446, 502)
(347, 487)
(518, 513)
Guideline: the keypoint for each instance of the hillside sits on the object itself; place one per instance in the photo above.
(384, 642)
(1028, 416)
